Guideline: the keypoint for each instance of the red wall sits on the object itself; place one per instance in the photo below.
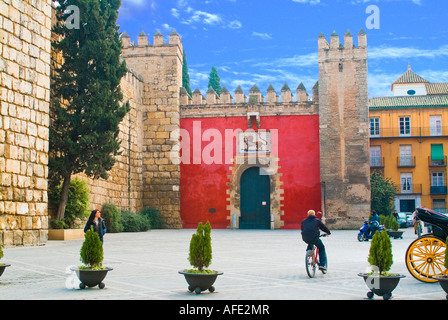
(203, 186)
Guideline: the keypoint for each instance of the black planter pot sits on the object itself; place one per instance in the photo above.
(3, 267)
(443, 281)
(91, 278)
(395, 234)
(381, 285)
(199, 282)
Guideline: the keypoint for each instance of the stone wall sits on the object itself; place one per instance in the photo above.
(25, 32)
(344, 130)
(124, 185)
(160, 66)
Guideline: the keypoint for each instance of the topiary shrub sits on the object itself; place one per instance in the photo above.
(200, 254)
(77, 203)
(153, 215)
(112, 217)
(380, 254)
(92, 250)
(133, 222)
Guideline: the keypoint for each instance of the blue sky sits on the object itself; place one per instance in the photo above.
(274, 42)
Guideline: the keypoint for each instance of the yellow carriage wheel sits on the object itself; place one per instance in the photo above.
(425, 258)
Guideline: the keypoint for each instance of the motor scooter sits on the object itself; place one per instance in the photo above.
(364, 235)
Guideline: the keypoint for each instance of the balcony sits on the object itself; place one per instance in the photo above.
(438, 190)
(414, 132)
(410, 189)
(405, 162)
(436, 163)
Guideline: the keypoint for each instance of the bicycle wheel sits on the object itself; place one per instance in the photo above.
(310, 262)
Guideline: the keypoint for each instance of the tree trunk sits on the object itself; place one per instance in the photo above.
(64, 197)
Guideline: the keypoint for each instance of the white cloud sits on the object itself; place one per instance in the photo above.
(387, 52)
(264, 36)
(307, 1)
(190, 16)
(235, 24)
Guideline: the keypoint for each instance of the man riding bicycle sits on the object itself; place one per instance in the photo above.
(310, 234)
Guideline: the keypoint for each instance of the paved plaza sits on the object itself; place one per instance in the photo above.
(257, 265)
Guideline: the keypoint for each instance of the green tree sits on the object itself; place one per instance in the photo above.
(185, 75)
(200, 255)
(214, 81)
(86, 106)
(380, 254)
(77, 206)
(92, 250)
(382, 192)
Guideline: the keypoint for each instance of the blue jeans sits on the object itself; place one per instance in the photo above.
(322, 255)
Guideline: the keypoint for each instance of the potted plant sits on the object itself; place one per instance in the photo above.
(392, 226)
(92, 273)
(2, 265)
(443, 279)
(200, 256)
(379, 281)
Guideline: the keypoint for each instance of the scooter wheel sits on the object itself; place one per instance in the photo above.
(386, 296)
(370, 294)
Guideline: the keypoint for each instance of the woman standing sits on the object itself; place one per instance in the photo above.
(95, 220)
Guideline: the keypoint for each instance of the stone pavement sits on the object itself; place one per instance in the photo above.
(257, 265)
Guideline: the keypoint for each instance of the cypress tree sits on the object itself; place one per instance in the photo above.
(214, 81)
(86, 106)
(185, 75)
(200, 254)
(92, 249)
(380, 253)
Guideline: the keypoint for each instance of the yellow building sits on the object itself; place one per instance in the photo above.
(408, 141)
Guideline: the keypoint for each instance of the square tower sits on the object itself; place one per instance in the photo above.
(344, 130)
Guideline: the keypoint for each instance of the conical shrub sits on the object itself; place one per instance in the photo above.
(380, 254)
(200, 254)
(92, 250)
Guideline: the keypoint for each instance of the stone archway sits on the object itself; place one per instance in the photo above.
(269, 166)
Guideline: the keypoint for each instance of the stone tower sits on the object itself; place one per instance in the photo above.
(160, 67)
(343, 130)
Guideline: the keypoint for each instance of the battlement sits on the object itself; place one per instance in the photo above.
(254, 97)
(335, 49)
(158, 40)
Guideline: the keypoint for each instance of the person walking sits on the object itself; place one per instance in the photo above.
(95, 220)
(310, 235)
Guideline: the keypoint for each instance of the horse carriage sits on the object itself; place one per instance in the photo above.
(425, 256)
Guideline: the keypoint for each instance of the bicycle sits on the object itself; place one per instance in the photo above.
(312, 260)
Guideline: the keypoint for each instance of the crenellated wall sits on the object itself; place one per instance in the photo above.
(344, 129)
(124, 187)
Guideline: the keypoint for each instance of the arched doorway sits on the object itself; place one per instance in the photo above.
(255, 200)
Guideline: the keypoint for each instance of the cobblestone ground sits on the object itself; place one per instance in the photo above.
(257, 265)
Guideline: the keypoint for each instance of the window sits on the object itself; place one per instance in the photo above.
(435, 125)
(406, 182)
(439, 205)
(411, 92)
(405, 126)
(437, 157)
(437, 179)
(406, 156)
(375, 156)
(374, 127)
